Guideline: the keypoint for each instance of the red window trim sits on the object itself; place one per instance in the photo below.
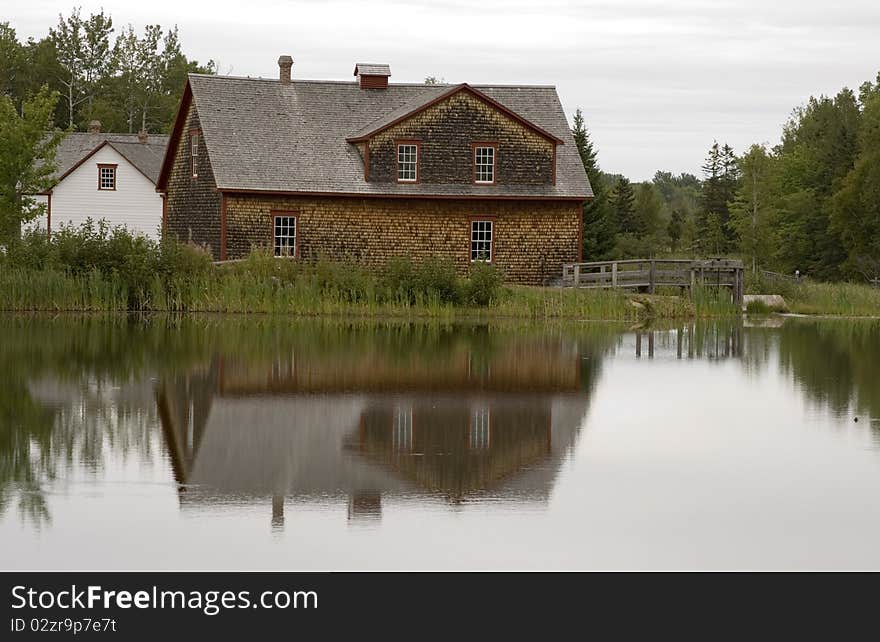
(492, 218)
(493, 145)
(112, 166)
(407, 141)
(273, 214)
(194, 170)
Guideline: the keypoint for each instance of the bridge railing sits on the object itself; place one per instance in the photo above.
(650, 274)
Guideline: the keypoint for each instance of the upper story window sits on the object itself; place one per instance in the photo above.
(284, 235)
(408, 162)
(481, 241)
(194, 152)
(107, 177)
(484, 163)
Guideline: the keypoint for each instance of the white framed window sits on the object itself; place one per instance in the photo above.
(484, 164)
(194, 152)
(284, 235)
(480, 433)
(402, 429)
(407, 162)
(106, 177)
(481, 241)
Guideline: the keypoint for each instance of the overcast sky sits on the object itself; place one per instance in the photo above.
(657, 80)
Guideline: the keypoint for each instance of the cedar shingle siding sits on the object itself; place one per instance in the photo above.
(301, 147)
(446, 132)
(193, 204)
(532, 240)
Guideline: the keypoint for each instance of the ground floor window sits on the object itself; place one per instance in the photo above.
(284, 235)
(479, 435)
(402, 429)
(481, 240)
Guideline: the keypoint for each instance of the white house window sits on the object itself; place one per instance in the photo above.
(194, 152)
(284, 235)
(107, 177)
(481, 241)
(402, 429)
(407, 162)
(484, 164)
(480, 433)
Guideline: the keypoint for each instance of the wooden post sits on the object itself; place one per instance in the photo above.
(614, 274)
(638, 344)
(577, 275)
(652, 277)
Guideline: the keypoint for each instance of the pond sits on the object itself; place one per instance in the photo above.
(273, 443)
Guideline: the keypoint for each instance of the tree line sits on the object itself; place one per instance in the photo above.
(75, 74)
(810, 203)
(128, 81)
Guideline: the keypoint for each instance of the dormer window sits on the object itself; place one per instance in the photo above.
(407, 162)
(107, 177)
(484, 163)
(194, 152)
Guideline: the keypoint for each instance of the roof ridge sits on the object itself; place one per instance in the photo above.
(355, 82)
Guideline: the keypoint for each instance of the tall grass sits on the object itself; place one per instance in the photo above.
(812, 297)
(94, 268)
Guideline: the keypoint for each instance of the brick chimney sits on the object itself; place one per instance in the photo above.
(142, 136)
(371, 75)
(95, 127)
(285, 64)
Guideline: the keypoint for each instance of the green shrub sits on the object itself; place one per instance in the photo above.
(436, 280)
(484, 285)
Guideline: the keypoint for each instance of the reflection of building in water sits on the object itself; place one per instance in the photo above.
(324, 429)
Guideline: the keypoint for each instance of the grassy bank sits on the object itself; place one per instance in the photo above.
(94, 268)
(813, 297)
(224, 291)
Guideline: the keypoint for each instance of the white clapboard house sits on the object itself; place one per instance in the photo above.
(105, 176)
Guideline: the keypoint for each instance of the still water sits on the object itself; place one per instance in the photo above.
(206, 443)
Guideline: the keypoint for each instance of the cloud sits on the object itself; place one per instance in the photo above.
(657, 80)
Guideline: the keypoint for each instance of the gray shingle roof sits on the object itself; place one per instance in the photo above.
(371, 69)
(147, 157)
(262, 135)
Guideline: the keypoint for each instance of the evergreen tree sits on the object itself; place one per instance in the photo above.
(720, 177)
(623, 207)
(598, 227)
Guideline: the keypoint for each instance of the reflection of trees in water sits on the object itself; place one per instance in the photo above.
(835, 362)
(63, 401)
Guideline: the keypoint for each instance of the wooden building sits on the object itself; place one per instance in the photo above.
(368, 170)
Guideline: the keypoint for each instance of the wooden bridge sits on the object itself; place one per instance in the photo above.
(646, 275)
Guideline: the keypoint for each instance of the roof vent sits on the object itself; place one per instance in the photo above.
(285, 64)
(95, 127)
(372, 76)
